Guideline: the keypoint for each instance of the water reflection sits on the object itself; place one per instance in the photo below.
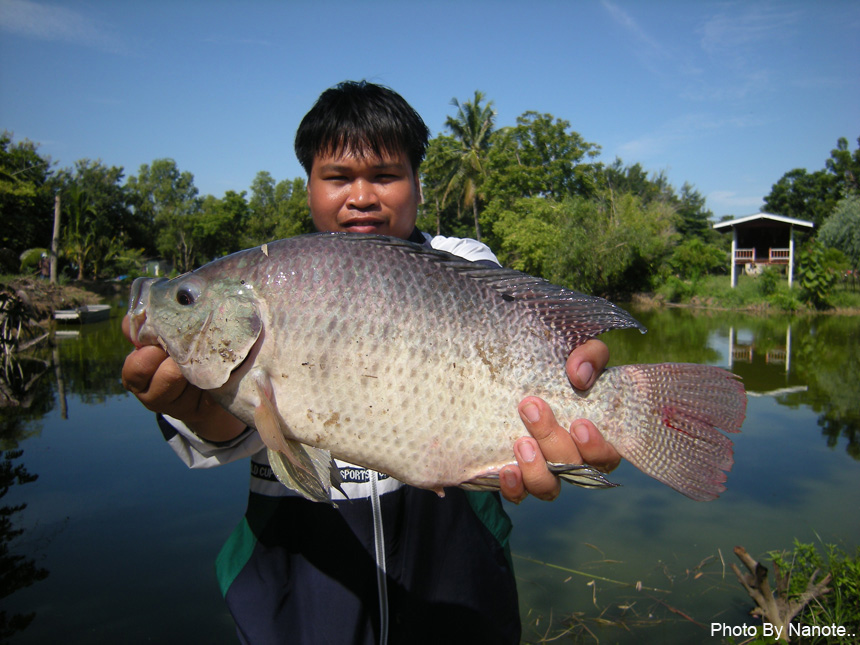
(786, 484)
(17, 570)
(100, 463)
(798, 360)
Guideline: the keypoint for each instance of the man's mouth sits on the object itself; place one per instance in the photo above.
(363, 225)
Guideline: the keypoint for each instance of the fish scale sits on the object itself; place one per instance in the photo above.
(411, 362)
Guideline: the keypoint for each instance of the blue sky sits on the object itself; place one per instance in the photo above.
(726, 95)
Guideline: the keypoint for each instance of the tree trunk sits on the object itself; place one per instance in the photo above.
(55, 239)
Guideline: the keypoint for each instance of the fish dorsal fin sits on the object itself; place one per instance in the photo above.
(572, 317)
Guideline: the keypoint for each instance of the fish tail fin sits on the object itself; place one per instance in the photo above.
(671, 427)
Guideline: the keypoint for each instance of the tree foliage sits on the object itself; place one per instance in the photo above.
(471, 128)
(167, 199)
(812, 196)
(26, 196)
(276, 210)
(842, 230)
(816, 280)
(98, 229)
(602, 246)
(693, 258)
(541, 157)
(532, 190)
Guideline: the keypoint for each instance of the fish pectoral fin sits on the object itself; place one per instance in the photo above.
(581, 475)
(304, 469)
(314, 483)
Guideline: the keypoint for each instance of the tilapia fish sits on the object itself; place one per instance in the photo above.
(411, 362)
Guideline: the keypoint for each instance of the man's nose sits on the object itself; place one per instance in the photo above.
(362, 194)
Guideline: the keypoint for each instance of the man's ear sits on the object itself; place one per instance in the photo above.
(418, 187)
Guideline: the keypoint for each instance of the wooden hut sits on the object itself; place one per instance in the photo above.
(762, 240)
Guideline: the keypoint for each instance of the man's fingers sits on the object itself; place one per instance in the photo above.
(548, 442)
(153, 377)
(586, 362)
(140, 366)
(537, 479)
(592, 447)
(511, 484)
(554, 442)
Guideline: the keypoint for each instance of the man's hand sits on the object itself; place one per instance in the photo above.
(551, 442)
(154, 378)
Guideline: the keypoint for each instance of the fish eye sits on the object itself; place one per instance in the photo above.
(186, 296)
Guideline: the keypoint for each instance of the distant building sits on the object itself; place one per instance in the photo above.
(762, 240)
(158, 268)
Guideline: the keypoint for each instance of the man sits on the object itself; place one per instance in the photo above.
(391, 563)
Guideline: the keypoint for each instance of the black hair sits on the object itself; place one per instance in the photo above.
(361, 118)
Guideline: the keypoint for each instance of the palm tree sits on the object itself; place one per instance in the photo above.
(80, 234)
(471, 127)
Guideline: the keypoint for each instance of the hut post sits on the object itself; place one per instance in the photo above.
(732, 258)
(790, 255)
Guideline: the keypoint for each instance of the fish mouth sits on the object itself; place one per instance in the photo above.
(139, 298)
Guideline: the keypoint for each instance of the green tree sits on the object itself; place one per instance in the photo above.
(845, 167)
(813, 196)
(26, 196)
(438, 211)
(166, 199)
(816, 280)
(803, 195)
(842, 229)
(634, 179)
(293, 216)
(471, 127)
(694, 218)
(80, 232)
(217, 223)
(100, 228)
(276, 210)
(262, 209)
(601, 246)
(693, 258)
(540, 157)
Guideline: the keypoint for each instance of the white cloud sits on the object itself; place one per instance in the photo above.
(690, 127)
(626, 21)
(58, 24)
(747, 26)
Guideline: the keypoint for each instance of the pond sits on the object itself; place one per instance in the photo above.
(113, 540)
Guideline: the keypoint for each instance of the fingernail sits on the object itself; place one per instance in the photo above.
(509, 477)
(526, 451)
(580, 430)
(531, 413)
(584, 373)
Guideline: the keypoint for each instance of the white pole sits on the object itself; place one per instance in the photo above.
(732, 259)
(790, 254)
(731, 347)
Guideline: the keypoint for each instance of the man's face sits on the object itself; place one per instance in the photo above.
(364, 194)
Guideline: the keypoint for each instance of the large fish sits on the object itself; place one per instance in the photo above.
(411, 362)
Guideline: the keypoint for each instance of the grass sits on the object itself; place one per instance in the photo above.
(769, 291)
(840, 606)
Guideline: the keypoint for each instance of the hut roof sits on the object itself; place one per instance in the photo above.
(764, 216)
